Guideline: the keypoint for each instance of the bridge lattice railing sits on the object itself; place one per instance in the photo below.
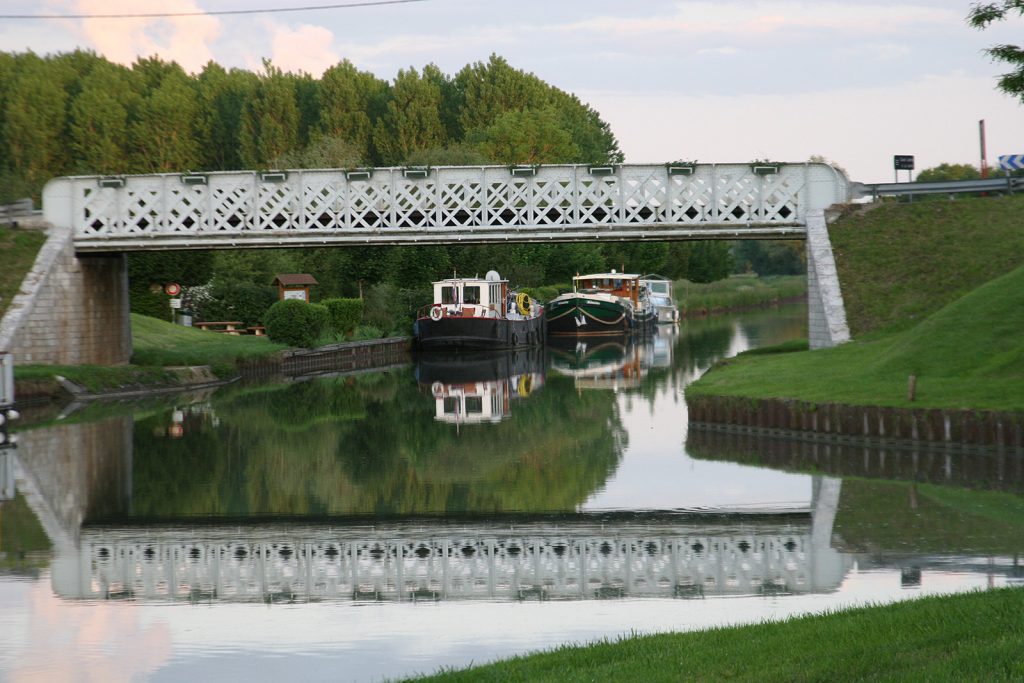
(397, 205)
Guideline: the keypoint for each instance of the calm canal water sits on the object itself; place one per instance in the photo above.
(372, 526)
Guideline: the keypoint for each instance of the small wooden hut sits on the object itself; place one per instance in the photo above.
(294, 285)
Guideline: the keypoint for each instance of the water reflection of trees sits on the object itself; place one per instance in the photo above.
(370, 445)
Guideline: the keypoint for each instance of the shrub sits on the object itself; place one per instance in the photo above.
(295, 322)
(391, 309)
(546, 293)
(144, 302)
(367, 332)
(232, 300)
(344, 314)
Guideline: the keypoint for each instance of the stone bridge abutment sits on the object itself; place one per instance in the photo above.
(72, 308)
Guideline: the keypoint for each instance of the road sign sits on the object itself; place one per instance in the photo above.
(903, 162)
(172, 289)
(1011, 162)
(175, 303)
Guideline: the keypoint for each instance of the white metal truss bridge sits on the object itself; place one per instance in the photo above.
(441, 205)
(529, 562)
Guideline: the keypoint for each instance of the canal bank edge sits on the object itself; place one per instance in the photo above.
(342, 358)
(789, 417)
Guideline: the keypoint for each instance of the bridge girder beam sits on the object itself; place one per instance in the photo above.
(443, 205)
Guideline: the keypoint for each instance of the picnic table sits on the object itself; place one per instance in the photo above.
(222, 326)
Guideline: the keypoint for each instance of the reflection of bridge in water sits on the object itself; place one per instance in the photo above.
(73, 473)
(567, 558)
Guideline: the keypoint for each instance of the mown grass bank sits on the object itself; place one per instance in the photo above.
(969, 354)
(970, 637)
(157, 345)
(19, 248)
(737, 292)
(935, 290)
(900, 262)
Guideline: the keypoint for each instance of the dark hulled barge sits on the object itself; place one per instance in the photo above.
(601, 304)
(479, 313)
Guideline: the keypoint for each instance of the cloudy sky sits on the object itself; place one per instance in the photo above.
(714, 80)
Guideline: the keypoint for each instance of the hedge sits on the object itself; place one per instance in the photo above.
(344, 314)
(295, 322)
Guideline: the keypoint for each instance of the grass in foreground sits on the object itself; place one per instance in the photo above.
(19, 248)
(737, 291)
(970, 354)
(159, 343)
(975, 637)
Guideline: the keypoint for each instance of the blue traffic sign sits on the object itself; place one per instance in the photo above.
(1011, 162)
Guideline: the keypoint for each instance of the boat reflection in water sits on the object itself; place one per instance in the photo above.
(612, 363)
(479, 388)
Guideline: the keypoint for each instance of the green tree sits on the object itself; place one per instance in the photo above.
(946, 171)
(270, 119)
(980, 17)
(528, 137)
(322, 152)
(708, 261)
(221, 100)
(637, 257)
(347, 97)
(488, 90)
(33, 123)
(769, 257)
(98, 121)
(164, 133)
(455, 154)
(413, 118)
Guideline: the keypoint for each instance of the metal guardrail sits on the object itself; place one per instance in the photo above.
(9, 213)
(950, 187)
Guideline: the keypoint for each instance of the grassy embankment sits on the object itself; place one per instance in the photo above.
(737, 292)
(976, 637)
(157, 346)
(935, 290)
(19, 248)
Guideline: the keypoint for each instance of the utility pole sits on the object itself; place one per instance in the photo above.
(984, 159)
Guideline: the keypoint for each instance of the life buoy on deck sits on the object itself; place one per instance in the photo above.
(436, 313)
(523, 303)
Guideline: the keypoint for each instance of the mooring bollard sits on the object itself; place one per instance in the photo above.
(911, 387)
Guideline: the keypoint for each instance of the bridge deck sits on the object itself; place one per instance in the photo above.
(442, 205)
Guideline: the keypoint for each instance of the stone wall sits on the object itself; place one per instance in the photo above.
(71, 310)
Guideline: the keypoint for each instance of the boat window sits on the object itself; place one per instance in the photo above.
(474, 405)
(471, 295)
(618, 284)
(451, 405)
(659, 287)
(447, 295)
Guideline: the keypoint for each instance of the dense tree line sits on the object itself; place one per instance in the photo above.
(77, 113)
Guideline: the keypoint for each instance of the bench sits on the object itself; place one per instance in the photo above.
(222, 326)
(258, 330)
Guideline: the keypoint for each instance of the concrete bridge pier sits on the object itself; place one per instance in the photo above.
(826, 314)
(72, 309)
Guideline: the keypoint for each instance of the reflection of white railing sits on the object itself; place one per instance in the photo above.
(325, 564)
(471, 204)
